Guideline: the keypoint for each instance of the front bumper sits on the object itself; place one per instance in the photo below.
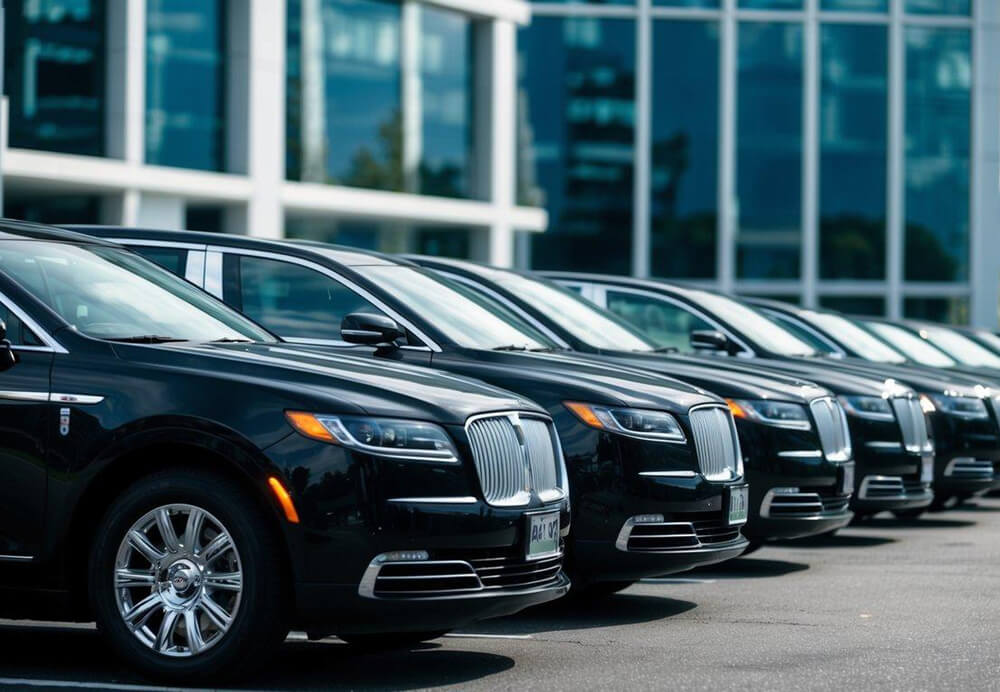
(808, 512)
(964, 476)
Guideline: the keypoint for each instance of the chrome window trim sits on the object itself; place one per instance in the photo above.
(142, 242)
(347, 283)
(51, 345)
(213, 273)
(194, 270)
(601, 298)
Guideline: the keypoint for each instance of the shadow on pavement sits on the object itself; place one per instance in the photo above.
(44, 653)
(749, 568)
(978, 507)
(839, 540)
(923, 522)
(581, 613)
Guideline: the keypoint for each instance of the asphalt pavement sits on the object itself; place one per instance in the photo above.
(885, 605)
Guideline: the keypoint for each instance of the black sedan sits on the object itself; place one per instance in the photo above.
(176, 472)
(656, 478)
(793, 434)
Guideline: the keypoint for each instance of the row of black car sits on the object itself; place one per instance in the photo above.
(312, 437)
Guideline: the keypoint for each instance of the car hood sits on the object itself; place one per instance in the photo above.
(925, 381)
(332, 382)
(570, 376)
(741, 384)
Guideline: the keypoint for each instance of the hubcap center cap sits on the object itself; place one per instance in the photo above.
(183, 580)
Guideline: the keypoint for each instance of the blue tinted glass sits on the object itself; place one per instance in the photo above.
(685, 148)
(577, 87)
(852, 133)
(770, 4)
(938, 112)
(854, 305)
(769, 150)
(855, 5)
(185, 83)
(588, 2)
(52, 209)
(939, 6)
(944, 310)
(446, 69)
(686, 3)
(344, 110)
(54, 75)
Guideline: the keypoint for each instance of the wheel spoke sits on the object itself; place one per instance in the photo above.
(193, 529)
(216, 547)
(138, 540)
(193, 629)
(140, 613)
(216, 613)
(167, 532)
(227, 581)
(165, 637)
(128, 578)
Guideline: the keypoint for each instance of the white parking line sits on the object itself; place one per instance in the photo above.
(678, 580)
(470, 635)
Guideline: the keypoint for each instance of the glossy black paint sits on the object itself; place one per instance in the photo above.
(762, 445)
(867, 435)
(221, 407)
(605, 489)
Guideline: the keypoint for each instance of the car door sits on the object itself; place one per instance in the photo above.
(299, 301)
(27, 418)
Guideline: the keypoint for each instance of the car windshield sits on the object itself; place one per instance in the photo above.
(991, 340)
(961, 348)
(767, 333)
(857, 339)
(110, 293)
(462, 315)
(575, 314)
(911, 345)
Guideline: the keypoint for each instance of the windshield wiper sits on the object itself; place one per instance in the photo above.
(549, 349)
(145, 339)
(666, 349)
(228, 340)
(510, 347)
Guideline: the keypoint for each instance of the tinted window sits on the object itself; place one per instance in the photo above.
(171, 259)
(911, 345)
(293, 301)
(860, 341)
(809, 336)
(17, 333)
(666, 324)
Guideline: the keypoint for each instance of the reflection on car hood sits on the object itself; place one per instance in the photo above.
(337, 383)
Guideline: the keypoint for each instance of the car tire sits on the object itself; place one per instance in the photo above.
(390, 640)
(214, 607)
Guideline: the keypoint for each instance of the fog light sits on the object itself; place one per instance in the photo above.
(648, 519)
(404, 556)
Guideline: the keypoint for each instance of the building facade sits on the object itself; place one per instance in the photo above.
(838, 153)
(832, 152)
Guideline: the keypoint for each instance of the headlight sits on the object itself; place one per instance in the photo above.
(399, 439)
(870, 407)
(776, 413)
(647, 425)
(964, 407)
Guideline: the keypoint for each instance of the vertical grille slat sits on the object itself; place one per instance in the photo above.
(831, 426)
(510, 470)
(912, 424)
(715, 442)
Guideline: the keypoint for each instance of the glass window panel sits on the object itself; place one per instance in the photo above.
(685, 149)
(686, 3)
(291, 300)
(770, 4)
(962, 7)
(577, 110)
(938, 112)
(171, 259)
(769, 150)
(852, 134)
(185, 83)
(55, 75)
(359, 234)
(666, 324)
(854, 305)
(944, 310)
(443, 242)
(52, 209)
(210, 219)
(588, 2)
(17, 333)
(855, 5)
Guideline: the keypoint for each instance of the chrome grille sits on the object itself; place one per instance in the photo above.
(969, 468)
(831, 426)
(715, 442)
(663, 537)
(515, 456)
(912, 424)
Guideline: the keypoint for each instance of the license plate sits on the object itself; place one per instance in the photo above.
(739, 505)
(543, 535)
(847, 479)
(927, 469)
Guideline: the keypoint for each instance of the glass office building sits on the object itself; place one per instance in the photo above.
(831, 152)
(838, 153)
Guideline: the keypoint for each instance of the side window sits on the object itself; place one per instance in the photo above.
(667, 324)
(17, 333)
(293, 301)
(801, 332)
(171, 259)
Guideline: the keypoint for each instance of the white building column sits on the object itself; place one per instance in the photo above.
(160, 211)
(985, 172)
(261, 23)
(125, 121)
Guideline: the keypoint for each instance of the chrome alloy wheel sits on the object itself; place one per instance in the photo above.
(178, 580)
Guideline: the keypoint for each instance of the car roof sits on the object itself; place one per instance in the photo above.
(341, 254)
(621, 280)
(13, 229)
